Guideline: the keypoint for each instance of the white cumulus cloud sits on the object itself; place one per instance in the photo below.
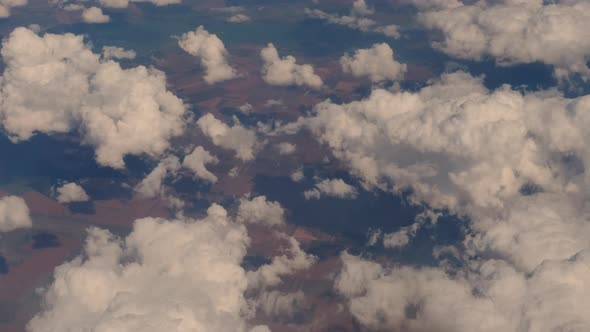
(55, 84)
(515, 32)
(211, 52)
(71, 192)
(237, 138)
(331, 188)
(285, 71)
(94, 15)
(113, 52)
(14, 214)
(166, 275)
(197, 162)
(376, 62)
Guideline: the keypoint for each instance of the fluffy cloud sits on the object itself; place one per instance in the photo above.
(285, 71)
(197, 160)
(151, 186)
(156, 279)
(260, 211)
(512, 163)
(237, 138)
(356, 20)
(269, 275)
(376, 62)
(94, 15)
(125, 3)
(331, 188)
(6, 5)
(286, 148)
(493, 297)
(211, 52)
(239, 18)
(279, 304)
(62, 86)
(438, 141)
(515, 32)
(297, 175)
(71, 192)
(112, 52)
(14, 214)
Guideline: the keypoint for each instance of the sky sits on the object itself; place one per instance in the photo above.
(310, 165)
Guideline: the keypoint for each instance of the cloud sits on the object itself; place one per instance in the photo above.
(211, 52)
(14, 214)
(356, 20)
(514, 32)
(269, 275)
(279, 304)
(94, 15)
(112, 52)
(376, 62)
(285, 71)
(476, 153)
(286, 148)
(62, 86)
(332, 188)
(197, 160)
(260, 211)
(239, 18)
(237, 138)
(359, 7)
(297, 175)
(151, 186)
(155, 279)
(125, 3)
(71, 192)
(437, 141)
(7, 5)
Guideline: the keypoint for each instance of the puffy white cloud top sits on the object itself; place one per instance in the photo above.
(459, 146)
(94, 15)
(376, 62)
(14, 214)
(6, 5)
(332, 188)
(151, 186)
(211, 52)
(166, 275)
(113, 52)
(71, 192)
(512, 32)
(237, 138)
(285, 71)
(125, 3)
(259, 210)
(55, 84)
(197, 160)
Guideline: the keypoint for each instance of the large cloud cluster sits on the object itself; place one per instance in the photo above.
(166, 275)
(513, 163)
(514, 31)
(156, 279)
(55, 84)
(211, 52)
(285, 71)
